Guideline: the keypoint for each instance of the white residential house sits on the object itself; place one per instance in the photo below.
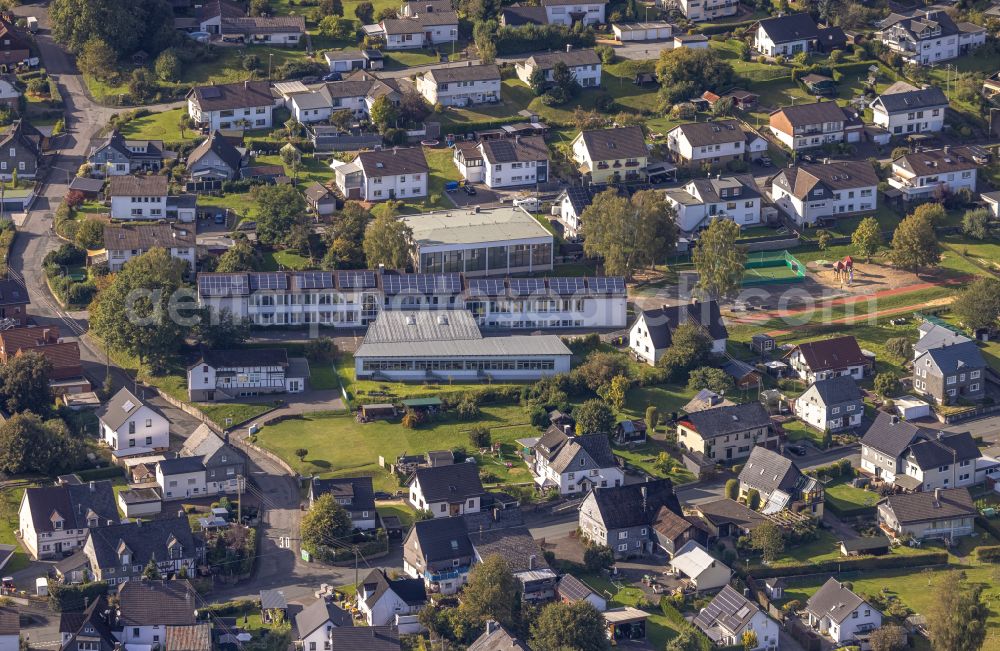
(584, 65)
(381, 599)
(55, 519)
(128, 241)
(928, 36)
(468, 158)
(228, 374)
(522, 160)
(139, 197)
(805, 126)
(814, 191)
(701, 569)
(715, 143)
(699, 10)
(463, 86)
(130, 427)
(730, 616)
(572, 202)
(319, 104)
(574, 464)
(567, 12)
(836, 612)
(734, 197)
(831, 405)
(652, 332)
(228, 106)
(825, 358)
(397, 173)
(417, 31)
(181, 477)
(785, 35)
(903, 109)
(446, 491)
(345, 60)
(315, 622)
(935, 173)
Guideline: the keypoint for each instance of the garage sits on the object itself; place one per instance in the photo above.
(655, 31)
(911, 407)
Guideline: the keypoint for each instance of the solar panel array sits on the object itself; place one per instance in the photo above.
(223, 285)
(486, 287)
(356, 279)
(269, 281)
(606, 285)
(567, 286)
(315, 280)
(525, 286)
(422, 284)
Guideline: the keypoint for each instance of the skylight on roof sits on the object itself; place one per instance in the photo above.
(128, 406)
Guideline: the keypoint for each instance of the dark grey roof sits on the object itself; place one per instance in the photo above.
(943, 449)
(923, 24)
(955, 358)
(155, 185)
(518, 15)
(145, 540)
(939, 161)
(92, 625)
(571, 588)
(890, 435)
(730, 511)
(459, 481)
(442, 539)
(834, 600)
(616, 144)
(913, 508)
(273, 600)
(497, 638)
(936, 335)
(210, 448)
(317, 614)
(245, 357)
(807, 179)
(122, 237)
(912, 100)
(76, 503)
(482, 72)
(720, 421)
(815, 113)
(729, 611)
(571, 59)
(866, 543)
(634, 505)
(836, 390)
(580, 197)
(829, 354)
(412, 591)
(114, 413)
(219, 97)
(163, 603)
(179, 465)
(661, 322)
(717, 132)
(793, 27)
(768, 471)
(222, 147)
(86, 184)
(359, 489)
(515, 544)
(512, 150)
(393, 162)
(366, 638)
(738, 369)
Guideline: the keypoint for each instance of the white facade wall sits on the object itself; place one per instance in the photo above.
(561, 14)
(845, 630)
(181, 485)
(318, 640)
(832, 132)
(118, 257)
(844, 202)
(678, 143)
(143, 208)
(459, 93)
(916, 188)
(47, 544)
(145, 429)
(918, 121)
(568, 482)
(763, 44)
(557, 363)
(403, 186)
(504, 175)
(587, 76)
(950, 475)
(418, 39)
(258, 117)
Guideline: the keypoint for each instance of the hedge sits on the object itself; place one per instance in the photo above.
(988, 554)
(94, 474)
(988, 526)
(70, 598)
(708, 30)
(230, 608)
(854, 565)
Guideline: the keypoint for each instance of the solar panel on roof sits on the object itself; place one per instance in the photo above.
(487, 287)
(222, 285)
(567, 286)
(606, 285)
(271, 281)
(316, 280)
(526, 285)
(210, 92)
(356, 279)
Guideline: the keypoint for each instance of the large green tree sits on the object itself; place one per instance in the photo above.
(768, 540)
(96, 58)
(956, 618)
(867, 237)
(140, 312)
(24, 383)
(345, 237)
(914, 244)
(492, 593)
(125, 25)
(629, 233)
(221, 330)
(719, 261)
(978, 305)
(594, 416)
(279, 209)
(28, 444)
(325, 524)
(384, 113)
(387, 242)
(577, 626)
(241, 256)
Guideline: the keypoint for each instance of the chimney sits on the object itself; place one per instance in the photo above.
(893, 419)
(492, 625)
(138, 522)
(568, 430)
(937, 498)
(46, 333)
(246, 84)
(569, 47)
(642, 491)
(180, 513)
(93, 486)
(531, 562)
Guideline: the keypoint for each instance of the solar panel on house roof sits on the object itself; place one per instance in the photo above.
(273, 280)
(523, 286)
(356, 279)
(223, 285)
(487, 287)
(606, 285)
(422, 284)
(210, 92)
(315, 280)
(567, 286)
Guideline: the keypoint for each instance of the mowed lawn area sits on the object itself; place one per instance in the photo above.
(338, 445)
(847, 498)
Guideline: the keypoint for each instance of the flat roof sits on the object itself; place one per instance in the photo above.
(467, 226)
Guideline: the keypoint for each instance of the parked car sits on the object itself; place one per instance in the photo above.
(531, 204)
(220, 218)
(333, 76)
(469, 190)
(796, 449)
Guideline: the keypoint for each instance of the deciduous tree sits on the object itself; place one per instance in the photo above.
(594, 417)
(768, 540)
(279, 209)
(241, 256)
(365, 12)
(324, 523)
(889, 637)
(956, 618)
(978, 305)
(577, 626)
(27, 444)
(96, 58)
(720, 262)
(90, 234)
(629, 234)
(709, 377)
(492, 593)
(867, 237)
(383, 113)
(387, 242)
(24, 383)
(914, 244)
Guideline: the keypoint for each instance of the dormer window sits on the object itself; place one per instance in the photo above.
(125, 559)
(58, 525)
(92, 522)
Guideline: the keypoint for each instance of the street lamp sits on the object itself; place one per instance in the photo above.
(270, 55)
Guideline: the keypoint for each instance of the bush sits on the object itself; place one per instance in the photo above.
(96, 474)
(468, 408)
(854, 564)
(988, 554)
(479, 437)
(412, 419)
(899, 347)
(598, 557)
(70, 598)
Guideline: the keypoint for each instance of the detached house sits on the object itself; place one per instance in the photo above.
(20, 149)
(157, 613)
(652, 332)
(380, 599)
(622, 517)
(818, 360)
(118, 156)
(128, 241)
(572, 202)
(903, 109)
(91, 630)
(416, 31)
(439, 552)
(928, 36)
(397, 173)
(795, 33)
(698, 568)
(780, 484)
(223, 463)
(180, 478)
(805, 126)
(462, 86)
(130, 427)
(215, 159)
(712, 143)
(446, 491)
(699, 10)
(568, 12)
(510, 162)
(574, 464)
(611, 155)
(54, 520)
(119, 553)
(948, 374)
(700, 201)
(935, 173)
(884, 444)
(355, 494)
(933, 335)
(15, 47)
(727, 434)
(941, 513)
(66, 375)
(813, 191)
(228, 106)
(315, 623)
(584, 65)
(139, 197)
(228, 374)
(730, 616)
(831, 405)
(836, 612)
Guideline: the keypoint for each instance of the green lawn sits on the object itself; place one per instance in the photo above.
(644, 457)
(617, 80)
(160, 126)
(322, 376)
(659, 630)
(666, 399)
(401, 510)
(798, 431)
(10, 501)
(237, 411)
(284, 259)
(400, 59)
(356, 447)
(750, 71)
(515, 96)
(847, 498)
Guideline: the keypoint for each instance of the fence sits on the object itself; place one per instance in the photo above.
(786, 268)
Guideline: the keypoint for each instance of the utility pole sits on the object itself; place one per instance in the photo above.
(356, 565)
(239, 498)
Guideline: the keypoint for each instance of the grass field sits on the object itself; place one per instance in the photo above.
(236, 411)
(847, 498)
(163, 126)
(356, 447)
(276, 260)
(10, 501)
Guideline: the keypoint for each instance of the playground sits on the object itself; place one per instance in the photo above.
(772, 268)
